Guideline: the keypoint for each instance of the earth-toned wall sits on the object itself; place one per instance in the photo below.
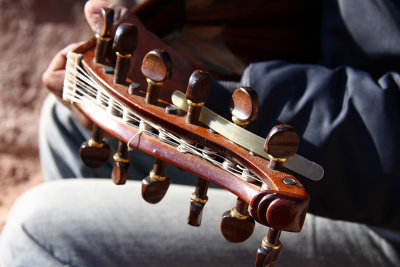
(32, 31)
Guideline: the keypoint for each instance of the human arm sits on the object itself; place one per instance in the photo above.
(345, 108)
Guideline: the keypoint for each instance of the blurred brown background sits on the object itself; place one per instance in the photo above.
(32, 31)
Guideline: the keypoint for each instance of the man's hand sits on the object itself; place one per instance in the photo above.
(53, 77)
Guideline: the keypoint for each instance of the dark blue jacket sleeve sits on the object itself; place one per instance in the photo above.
(346, 108)
(349, 123)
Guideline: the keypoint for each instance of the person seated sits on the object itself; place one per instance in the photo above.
(346, 108)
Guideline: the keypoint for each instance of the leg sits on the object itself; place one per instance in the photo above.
(108, 225)
(325, 242)
(60, 137)
(95, 223)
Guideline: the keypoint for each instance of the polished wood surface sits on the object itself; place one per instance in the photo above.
(282, 142)
(177, 125)
(156, 67)
(244, 105)
(104, 35)
(125, 42)
(197, 201)
(119, 172)
(276, 199)
(95, 152)
(156, 184)
(197, 92)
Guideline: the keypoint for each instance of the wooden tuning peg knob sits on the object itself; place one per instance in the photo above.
(104, 35)
(197, 92)
(95, 152)
(197, 201)
(156, 67)
(244, 106)
(281, 143)
(237, 225)
(156, 184)
(119, 172)
(125, 42)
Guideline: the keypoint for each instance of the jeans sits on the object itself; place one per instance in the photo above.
(92, 222)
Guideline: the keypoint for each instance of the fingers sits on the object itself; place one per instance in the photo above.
(121, 11)
(53, 77)
(148, 41)
(93, 12)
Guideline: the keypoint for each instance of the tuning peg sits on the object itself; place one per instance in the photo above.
(197, 201)
(125, 42)
(121, 164)
(237, 225)
(244, 106)
(268, 251)
(156, 67)
(95, 152)
(196, 95)
(281, 143)
(104, 35)
(156, 184)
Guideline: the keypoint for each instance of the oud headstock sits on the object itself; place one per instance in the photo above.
(177, 131)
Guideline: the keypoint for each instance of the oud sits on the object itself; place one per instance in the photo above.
(175, 128)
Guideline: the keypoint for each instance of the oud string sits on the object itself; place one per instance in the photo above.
(133, 138)
(80, 87)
